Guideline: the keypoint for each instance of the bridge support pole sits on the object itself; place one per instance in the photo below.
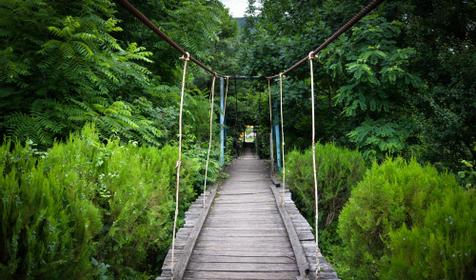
(278, 146)
(222, 121)
(271, 150)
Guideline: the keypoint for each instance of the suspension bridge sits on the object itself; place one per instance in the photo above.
(247, 227)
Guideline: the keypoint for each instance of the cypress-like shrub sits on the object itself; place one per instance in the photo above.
(87, 209)
(408, 221)
(338, 171)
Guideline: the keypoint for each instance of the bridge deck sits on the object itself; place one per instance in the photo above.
(244, 236)
(243, 233)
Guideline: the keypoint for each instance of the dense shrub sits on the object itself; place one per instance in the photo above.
(339, 170)
(407, 221)
(87, 209)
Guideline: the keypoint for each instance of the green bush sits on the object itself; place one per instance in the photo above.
(88, 209)
(407, 221)
(339, 170)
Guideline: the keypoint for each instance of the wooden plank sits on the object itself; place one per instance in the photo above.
(259, 209)
(241, 259)
(242, 191)
(241, 275)
(243, 252)
(250, 245)
(244, 225)
(275, 242)
(242, 267)
(221, 232)
(246, 220)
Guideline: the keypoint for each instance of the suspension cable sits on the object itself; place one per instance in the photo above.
(314, 165)
(271, 152)
(185, 59)
(283, 192)
(151, 25)
(212, 102)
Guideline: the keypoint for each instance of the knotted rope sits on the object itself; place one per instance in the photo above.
(212, 102)
(283, 192)
(314, 165)
(185, 59)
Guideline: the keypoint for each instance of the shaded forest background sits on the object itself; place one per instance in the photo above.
(402, 82)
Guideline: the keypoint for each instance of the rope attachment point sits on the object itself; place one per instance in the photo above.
(186, 57)
(311, 55)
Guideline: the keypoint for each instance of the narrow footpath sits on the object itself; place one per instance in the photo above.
(244, 236)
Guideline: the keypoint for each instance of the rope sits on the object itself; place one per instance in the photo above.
(271, 152)
(283, 192)
(212, 102)
(185, 59)
(314, 165)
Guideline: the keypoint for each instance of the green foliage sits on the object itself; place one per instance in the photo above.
(74, 63)
(402, 77)
(72, 73)
(378, 138)
(404, 220)
(375, 79)
(338, 172)
(86, 208)
(47, 227)
(467, 176)
(467, 173)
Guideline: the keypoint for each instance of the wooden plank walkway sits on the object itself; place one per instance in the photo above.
(244, 236)
(244, 232)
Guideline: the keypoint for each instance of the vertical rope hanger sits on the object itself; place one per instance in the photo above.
(271, 153)
(314, 165)
(185, 59)
(283, 192)
(212, 102)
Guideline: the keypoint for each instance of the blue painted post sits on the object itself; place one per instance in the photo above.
(222, 121)
(277, 134)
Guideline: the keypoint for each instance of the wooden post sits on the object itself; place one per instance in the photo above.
(222, 121)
